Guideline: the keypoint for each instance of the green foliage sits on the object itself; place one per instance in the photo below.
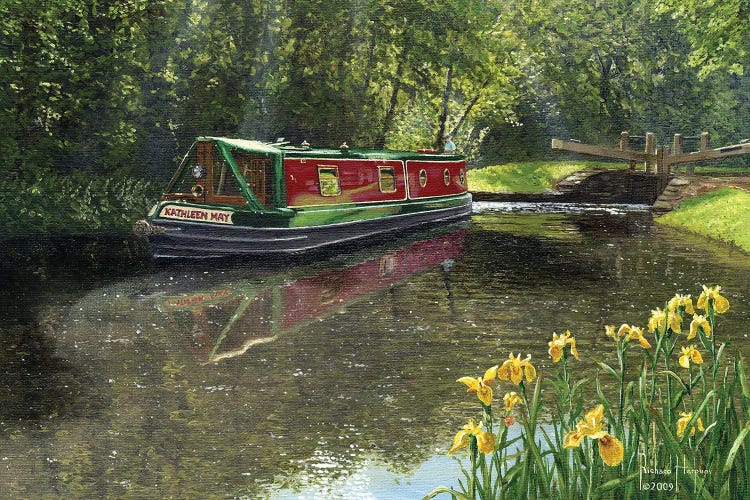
(126, 86)
(47, 203)
(721, 215)
(718, 31)
(528, 177)
(596, 69)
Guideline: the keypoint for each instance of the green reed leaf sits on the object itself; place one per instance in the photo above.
(677, 378)
(742, 375)
(608, 369)
(735, 447)
(444, 489)
(616, 483)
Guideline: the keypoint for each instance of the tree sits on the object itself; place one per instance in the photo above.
(718, 31)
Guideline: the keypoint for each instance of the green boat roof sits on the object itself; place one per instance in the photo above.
(289, 151)
(243, 144)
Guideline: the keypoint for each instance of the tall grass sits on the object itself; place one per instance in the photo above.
(674, 422)
(46, 203)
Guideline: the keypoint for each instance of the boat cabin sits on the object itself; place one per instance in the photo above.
(239, 197)
(261, 177)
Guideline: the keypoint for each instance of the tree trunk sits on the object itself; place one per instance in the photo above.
(391, 111)
(444, 109)
(468, 109)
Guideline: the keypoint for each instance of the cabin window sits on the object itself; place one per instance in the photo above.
(329, 181)
(205, 176)
(224, 181)
(191, 173)
(387, 179)
(257, 170)
(388, 265)
(423, 177)
(447, 177)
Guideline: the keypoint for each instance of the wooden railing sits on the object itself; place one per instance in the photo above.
(657, 160)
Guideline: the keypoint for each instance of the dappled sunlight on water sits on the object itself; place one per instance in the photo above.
(330, 378)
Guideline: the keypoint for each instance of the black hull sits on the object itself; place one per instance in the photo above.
(182, 239)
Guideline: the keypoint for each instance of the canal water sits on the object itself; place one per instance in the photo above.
(327, 377)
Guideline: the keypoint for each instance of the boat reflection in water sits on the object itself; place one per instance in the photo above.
(229, 319)
(152, 396)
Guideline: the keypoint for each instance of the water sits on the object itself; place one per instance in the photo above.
(327, 378)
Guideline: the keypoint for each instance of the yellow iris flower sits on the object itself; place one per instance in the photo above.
(681, 301)
(712, 295)
(690, 354)
(609, 331)
(683, 421)
(514, 369)
(558, 343)
(485, 440)
(701, 322)
(627, 331)
(659, 317)
(634, 333)
(511, 399)
(610, 448)
(481, 385)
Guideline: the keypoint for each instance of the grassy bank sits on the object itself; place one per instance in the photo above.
(49, 204)
(529, 177)
(722, 214)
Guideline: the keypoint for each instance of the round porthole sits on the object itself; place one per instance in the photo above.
(423, 177)
(462, 177)
(446, 176)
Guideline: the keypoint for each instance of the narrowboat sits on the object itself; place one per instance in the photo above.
(242, 197)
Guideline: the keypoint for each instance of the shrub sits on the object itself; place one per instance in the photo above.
(46, 203)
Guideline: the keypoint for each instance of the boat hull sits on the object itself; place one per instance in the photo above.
(187, 239)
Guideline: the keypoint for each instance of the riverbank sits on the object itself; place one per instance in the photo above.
(592, 182)
(716, 208)
(530, 178)
(713, 206)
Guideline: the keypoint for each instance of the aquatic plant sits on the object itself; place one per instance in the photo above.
(677, 421)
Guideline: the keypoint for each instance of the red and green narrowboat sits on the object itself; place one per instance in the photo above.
(241, 197)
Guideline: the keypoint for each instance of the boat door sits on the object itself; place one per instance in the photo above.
(223, 186)
(257, 170)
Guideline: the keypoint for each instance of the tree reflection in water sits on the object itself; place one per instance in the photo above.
(238, 381)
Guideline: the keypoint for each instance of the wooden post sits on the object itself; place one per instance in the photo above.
(623, 141)
(662, 168)
(705, 141)
(705, 146)
(676, 149)
(650, 150)
(677, 144)
(624, 147)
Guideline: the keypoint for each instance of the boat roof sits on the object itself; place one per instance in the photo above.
(243, 144)
(290, 151)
